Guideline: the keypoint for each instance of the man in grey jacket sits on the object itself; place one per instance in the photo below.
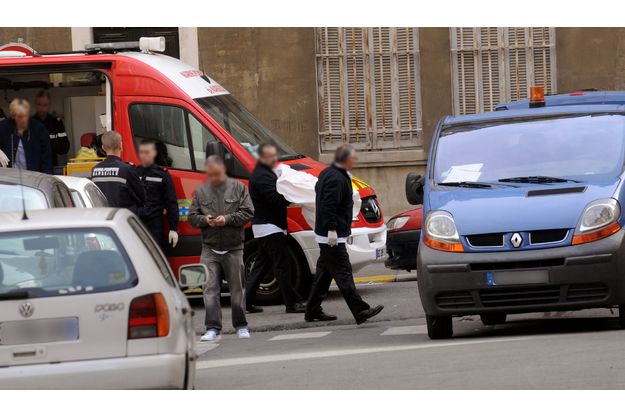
(221, 207)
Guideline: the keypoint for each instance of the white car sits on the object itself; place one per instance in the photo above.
(88, 300)
(84, 192)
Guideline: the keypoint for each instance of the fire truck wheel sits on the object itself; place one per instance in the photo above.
(269, 291)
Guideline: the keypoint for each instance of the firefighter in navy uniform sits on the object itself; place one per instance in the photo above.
(59, 141)
(160, 195)
(117, 179)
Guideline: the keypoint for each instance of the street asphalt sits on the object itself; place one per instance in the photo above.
(532, 351)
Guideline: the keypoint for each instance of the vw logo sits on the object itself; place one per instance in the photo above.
(26, 309)
(516, 240)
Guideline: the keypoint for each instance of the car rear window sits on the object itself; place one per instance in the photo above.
(51, 263)
(12, 198)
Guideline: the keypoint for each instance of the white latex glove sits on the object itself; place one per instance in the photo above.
(4, 160)
(173, 238)
(332, 238)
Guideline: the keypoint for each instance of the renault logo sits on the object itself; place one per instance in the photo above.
(516, 240)
(27, 309)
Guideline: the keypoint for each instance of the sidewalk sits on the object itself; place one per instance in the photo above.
(376, 284)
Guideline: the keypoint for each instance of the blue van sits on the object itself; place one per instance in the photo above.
(522, 213)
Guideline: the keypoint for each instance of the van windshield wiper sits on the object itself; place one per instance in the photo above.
(537, 179)
(465, 184)
(290, 157)
(18, 294)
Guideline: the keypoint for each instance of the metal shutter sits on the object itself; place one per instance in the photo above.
(493, 65)
(368, 88)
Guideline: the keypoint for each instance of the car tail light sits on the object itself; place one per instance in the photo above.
(148, 317)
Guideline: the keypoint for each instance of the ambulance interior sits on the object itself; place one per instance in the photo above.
(80, 99)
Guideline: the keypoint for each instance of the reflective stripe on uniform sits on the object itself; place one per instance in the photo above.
(154, 179)
(109, 179)
(61, 135)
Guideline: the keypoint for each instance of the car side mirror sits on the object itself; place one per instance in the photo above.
(193, 275)
(414, 188)
(234, 168)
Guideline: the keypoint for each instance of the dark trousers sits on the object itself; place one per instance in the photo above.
(273, 258)
(155, 227)
(334, 263)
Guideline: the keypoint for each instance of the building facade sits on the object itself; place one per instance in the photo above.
(381, 89)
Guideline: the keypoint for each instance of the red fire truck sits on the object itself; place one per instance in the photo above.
(140, 93)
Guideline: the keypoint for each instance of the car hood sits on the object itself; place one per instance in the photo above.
(509, 209)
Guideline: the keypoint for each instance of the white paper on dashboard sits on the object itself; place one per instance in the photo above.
(469, 172)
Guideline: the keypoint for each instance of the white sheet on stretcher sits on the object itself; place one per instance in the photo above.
(299, 188)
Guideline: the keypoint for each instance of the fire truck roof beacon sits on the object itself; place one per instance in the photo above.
(145, 44)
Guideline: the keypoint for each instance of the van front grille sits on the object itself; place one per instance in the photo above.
(538, 237)
(521, 296)
(486, 240)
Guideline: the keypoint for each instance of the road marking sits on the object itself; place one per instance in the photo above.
(203, 347)
(294, 336)
(404, 330)
(256, 360)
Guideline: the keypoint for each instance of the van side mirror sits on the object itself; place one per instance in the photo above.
(193, 275)
(234, 167)
(414, 188)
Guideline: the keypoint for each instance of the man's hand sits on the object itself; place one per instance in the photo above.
(332, 238)
(4, 160)
(218, 221)
(173, 238)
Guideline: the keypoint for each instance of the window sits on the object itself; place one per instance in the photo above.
(166, 125)
(98, 199)
(51, 263)
(12, 195)
(369, 88)
(200, 137)
(154, 250)
(78, 201)
(496, 65)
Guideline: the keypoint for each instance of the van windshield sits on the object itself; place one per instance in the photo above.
(58, 262)
(243, 126)
(577, 148)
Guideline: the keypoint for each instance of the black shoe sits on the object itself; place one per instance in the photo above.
(321, 316)
(296, 308)
(367, 314)
(254, 309)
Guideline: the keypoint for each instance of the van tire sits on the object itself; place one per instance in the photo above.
(439, 327)
(491, 319)
(269, 293)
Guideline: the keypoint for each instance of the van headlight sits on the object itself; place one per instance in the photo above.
(440, 232)
(599, 220)
(397, 223)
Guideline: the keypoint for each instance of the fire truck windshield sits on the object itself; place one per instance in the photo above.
(243, 126)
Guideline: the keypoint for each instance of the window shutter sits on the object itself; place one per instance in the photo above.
(495, 65)
(372, 75)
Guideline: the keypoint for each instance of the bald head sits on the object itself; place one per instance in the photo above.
(112, 143)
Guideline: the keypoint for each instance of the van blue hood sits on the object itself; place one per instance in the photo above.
(509, 209)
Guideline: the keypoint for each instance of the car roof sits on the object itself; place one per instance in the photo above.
(62, 218)
(539, 112)
(76, 183)
(570, 99)
(42, 182)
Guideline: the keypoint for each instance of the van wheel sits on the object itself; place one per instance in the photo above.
(621, 316)
(269, 291)
(439, 327)
(491, 319)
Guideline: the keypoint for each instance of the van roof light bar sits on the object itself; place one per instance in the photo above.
(144, 44)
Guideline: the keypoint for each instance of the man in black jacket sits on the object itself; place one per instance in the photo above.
(270, 227)
(24, 141)
(54, 125)
(117, 179)
(333, 220)
(160, 195)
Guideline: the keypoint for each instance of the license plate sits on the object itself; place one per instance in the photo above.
(517, 277)
(26, 332)
(380, 253)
